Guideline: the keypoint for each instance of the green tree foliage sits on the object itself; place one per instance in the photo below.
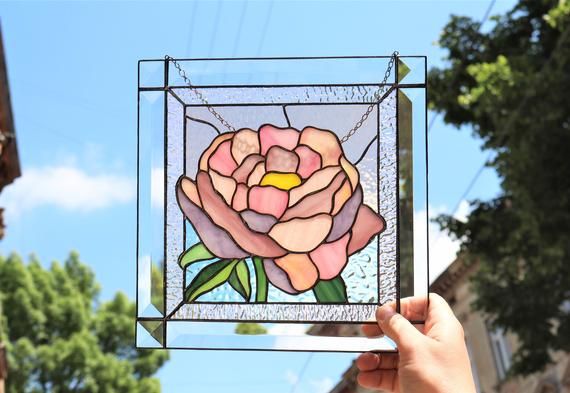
(60, 339)
(250, 329)
(511, 83)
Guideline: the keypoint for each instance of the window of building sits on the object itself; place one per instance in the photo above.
(501, 351)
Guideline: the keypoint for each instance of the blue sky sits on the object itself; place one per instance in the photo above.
(72, 70)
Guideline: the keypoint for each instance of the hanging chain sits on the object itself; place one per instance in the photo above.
(376, 98)
(199, 94)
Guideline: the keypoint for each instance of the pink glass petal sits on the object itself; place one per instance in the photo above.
(281, 160)
(246, 167)
(217, 240)
(222, 161)
(213, 146)
(367, 225)
(223, 185)
(302, 234)
(341, 196)
(189, 189)
(244, 143)
(256, 175)
(344, 220)
(278, 277)
(351, 172)
(320, 179)
(331, 258)
(268, 200)
(227, 218)
(323, 142)
(310, 161)
(239, 200)
(301, 271)
(317, 202)
(274, 136)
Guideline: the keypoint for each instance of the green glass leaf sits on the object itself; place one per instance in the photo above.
(331, 291)
(198, 252)
(239, 280)
(209, 278)
(260, 280)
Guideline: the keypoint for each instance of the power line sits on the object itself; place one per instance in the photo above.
(481, 23)
(239, 29)
(487, 13)
(215, 31)
(436, 115)
(237, 39)
(470, 186)
(193, 12)
(302, 372)
(265, 27)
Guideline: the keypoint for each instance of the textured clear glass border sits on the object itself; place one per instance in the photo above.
(387, 200)
(277, 312)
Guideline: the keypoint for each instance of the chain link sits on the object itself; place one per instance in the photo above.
(199, 94)
(376, 98)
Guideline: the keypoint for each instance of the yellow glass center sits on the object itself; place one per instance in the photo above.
(283, 181)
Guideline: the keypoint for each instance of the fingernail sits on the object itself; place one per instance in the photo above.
(384, 313)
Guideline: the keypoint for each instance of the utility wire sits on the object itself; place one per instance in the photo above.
(302, 372)
(436, 115)
(483, 20)
(487, 13)
(265, 26)
(237, 40)
(215, 30)
(193, 12)
(470, 186)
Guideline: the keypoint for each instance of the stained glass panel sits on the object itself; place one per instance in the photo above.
(258, 208)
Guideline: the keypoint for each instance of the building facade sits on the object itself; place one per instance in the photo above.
(490, 350)
(9, 167)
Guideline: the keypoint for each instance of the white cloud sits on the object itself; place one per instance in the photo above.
(323, 385)
(291, 377)
(463, 211)
(442, 249)
(66, 187)
(291, 329)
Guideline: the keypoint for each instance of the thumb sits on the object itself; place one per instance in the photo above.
(395, 326)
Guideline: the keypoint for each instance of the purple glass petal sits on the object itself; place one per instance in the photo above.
(278, 277)
(214, 238)
(344, 220)
(258, 222)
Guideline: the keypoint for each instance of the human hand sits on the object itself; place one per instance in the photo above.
(431, 358)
